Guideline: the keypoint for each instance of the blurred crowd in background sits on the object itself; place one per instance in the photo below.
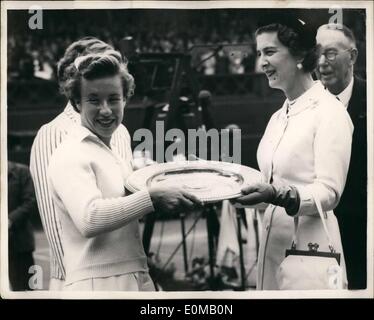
(35, 53)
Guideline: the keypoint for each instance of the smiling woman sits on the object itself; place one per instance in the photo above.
(99, 221)
(304, 153)
(287, 54)
(98, 88)
(101, 106)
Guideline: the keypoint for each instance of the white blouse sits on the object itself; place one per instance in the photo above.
(309, 147)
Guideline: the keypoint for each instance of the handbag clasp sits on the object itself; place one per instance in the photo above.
(331, 249)
(313, 246)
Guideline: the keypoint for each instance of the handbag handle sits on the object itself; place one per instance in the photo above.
(323, 218)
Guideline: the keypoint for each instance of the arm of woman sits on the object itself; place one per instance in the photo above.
(74, 189)
(332, 151)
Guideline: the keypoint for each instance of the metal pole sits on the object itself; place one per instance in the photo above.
(185, 258)
(241, 257)
(209, 211)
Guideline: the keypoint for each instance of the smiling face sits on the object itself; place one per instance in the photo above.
(276, 61)
(337, 74)
(101, 106)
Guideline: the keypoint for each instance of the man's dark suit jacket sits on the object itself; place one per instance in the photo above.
(352, 209)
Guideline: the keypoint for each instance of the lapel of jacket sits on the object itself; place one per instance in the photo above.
(357, 103)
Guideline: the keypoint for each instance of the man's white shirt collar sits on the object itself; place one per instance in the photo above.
(346, 94)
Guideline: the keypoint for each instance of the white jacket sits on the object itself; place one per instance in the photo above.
(310, 149)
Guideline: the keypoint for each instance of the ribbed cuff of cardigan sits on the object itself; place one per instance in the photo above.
(110, 214)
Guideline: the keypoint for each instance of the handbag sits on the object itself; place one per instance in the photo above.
(310, 269)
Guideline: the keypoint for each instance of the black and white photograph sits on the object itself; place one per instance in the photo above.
(186, 149)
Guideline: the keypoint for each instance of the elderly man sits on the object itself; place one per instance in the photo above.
(335, 69)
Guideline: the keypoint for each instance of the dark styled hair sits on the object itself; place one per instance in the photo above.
(96, 66)
(300, 43)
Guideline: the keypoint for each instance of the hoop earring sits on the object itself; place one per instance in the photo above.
(299, 66)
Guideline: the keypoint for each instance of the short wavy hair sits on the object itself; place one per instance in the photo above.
(80, 47)
(95, 66)
(300, 45)
(340, 28)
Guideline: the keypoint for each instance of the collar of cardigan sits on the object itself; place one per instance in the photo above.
(71, 113)
(309, 99)
(82, 133)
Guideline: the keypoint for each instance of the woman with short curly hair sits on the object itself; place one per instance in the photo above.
(100, 231)
(93, 66)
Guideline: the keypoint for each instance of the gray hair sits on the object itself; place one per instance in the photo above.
(343, 29)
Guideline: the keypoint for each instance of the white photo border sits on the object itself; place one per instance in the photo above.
(315, 294)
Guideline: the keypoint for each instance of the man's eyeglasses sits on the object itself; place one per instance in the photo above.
(331, 55)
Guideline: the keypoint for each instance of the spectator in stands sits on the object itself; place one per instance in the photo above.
(305, 151)
(209, 64)
(43, 68)
(222, 65)
(21, 206)
(236, 62)
(335, 69)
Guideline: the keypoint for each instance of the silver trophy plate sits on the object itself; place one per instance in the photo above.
(210, 181)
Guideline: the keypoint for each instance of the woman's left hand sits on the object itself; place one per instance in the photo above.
(256, 193)
(279, 194)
